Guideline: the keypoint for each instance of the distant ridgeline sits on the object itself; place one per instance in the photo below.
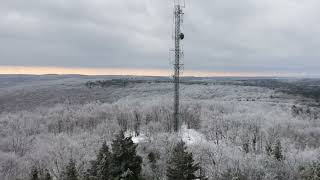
(112, 82)
(126, 82)
(309, 88)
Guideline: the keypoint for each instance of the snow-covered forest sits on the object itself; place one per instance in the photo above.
(234, 128)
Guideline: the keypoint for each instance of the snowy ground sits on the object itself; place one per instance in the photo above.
(45, 120)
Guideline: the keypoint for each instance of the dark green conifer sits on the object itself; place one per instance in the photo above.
(104, 162)
(126, 164)
(181, 165)
(100, 168)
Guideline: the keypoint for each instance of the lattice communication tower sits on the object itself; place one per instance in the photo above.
(178, 54)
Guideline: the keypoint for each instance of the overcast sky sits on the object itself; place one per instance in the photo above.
(272, 36)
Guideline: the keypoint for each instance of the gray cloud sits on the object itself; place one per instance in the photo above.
(222, 35)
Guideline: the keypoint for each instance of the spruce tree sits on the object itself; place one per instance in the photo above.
(70, 172)
(181, 165)
(34, 174)
(100, 168)
(126, 164)
(103, 162)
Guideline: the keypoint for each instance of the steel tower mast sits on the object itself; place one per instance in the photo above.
(178, 36)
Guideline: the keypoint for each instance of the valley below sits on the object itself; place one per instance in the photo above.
(244, 128)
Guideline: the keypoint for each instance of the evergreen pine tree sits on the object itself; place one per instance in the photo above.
(34, 174)
(100, 168)
(181, 164)
(70, 172)
(126, 164)
(103, 163)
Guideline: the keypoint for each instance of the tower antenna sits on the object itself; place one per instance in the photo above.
(178, 36)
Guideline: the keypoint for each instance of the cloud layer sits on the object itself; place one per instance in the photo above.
(224, 35)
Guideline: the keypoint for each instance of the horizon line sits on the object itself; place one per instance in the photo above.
(90, 71)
